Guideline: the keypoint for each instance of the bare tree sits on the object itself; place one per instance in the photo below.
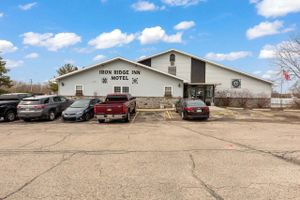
(288, 57)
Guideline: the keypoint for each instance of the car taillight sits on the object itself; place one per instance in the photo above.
(95, 109)
(205, 108)
(188, 109)
(39, 106)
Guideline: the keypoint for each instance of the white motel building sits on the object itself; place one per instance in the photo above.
(161, 79)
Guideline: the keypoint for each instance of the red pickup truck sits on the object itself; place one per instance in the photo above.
(115, 106)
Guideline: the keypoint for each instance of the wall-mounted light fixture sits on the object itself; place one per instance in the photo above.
(62, 84)
(179, 85)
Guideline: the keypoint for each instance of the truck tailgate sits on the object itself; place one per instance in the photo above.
(109, 109)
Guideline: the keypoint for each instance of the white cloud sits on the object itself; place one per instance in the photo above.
(13, 63)
(270, 74)
(32, 56)
(27, 6)
(98, 57)
(267, 52)
(7, 46)
(141, 57)
(257, 72)
(229, 56)
(276, 8)
(184, 3)
(267, 28)
(111, 39)
(184, 25)
(69, 61)
(145, 6)
(1, 14)
(50, 41)
(157, 34)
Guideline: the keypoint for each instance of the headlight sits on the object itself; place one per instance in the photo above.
(79, 113)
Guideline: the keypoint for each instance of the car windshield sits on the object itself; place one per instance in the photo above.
(195, 103)
(31, 102)
(80, 104)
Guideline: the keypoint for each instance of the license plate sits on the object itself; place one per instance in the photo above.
(108, 109)
(27, 109)
(199, 110)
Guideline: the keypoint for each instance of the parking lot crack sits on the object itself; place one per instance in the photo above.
(281, 157)
(207, 187)
(57, 142)
(64, 159)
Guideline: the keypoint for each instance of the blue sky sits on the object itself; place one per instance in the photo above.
(37, 37)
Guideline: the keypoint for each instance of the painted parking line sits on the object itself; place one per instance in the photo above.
(136, 114)
(169, 115)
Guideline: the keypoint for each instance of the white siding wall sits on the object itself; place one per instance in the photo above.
(215, 74)
(150, 84)
(182, 63)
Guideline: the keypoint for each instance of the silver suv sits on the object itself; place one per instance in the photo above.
(42, 107)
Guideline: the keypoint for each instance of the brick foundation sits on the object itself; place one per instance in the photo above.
(146, 102)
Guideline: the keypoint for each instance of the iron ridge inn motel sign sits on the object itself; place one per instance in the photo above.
(120, 75)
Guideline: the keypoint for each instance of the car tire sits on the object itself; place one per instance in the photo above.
(86, 117)
(10, 116)
(127, 119)
(101, 121)
(51, 115)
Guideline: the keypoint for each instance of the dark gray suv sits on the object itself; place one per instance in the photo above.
(42, 107)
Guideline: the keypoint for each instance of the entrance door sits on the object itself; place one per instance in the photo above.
(203, 92)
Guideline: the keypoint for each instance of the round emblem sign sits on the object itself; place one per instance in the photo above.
(236, 83)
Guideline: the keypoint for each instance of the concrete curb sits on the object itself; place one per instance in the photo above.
(234, 108)
(291, 110)
(261, 109)
(156, 110)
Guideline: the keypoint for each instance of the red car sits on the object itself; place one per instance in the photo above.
(116, 106)
(192, 109)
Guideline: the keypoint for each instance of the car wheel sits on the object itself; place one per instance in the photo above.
(101, 121)
(10, 116)
(51, 116)
(87, 117)
(127, 119)
(183, 116)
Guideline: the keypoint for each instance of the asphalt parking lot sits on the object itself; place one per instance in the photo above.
(236, 154)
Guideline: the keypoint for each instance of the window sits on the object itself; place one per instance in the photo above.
(168, 91)
(172, 58)
(79, 90)
(125, 89)
(117, 89)
(172, 70)
(46, 101)
(56, 99)
(63, 99)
